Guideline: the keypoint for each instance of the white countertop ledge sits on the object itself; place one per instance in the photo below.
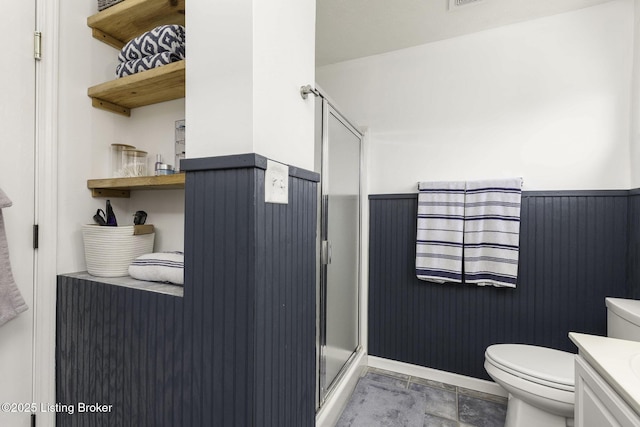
(611, 358)
(130, 282)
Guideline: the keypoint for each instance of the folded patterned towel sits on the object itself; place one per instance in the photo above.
(144, 64)
(165, 38)
(159, 267)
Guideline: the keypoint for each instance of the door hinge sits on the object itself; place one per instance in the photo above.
(35, 236)
(37, 45)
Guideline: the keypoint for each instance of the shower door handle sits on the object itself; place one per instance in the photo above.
(326, 252)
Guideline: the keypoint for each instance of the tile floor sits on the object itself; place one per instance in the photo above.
(447, 405)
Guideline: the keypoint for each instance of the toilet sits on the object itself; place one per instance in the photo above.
(540, 380)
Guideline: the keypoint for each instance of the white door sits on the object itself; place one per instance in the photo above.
(17, 116)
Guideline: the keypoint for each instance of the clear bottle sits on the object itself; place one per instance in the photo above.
(158, 163)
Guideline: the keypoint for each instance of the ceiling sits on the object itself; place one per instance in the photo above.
(349, 29)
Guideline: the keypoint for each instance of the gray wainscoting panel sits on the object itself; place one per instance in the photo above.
(573, 253)
(251, 326)
(238, 349)
(634, 244)
(121, 347)
(220, 223)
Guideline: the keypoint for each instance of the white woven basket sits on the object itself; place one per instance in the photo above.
(108, 251)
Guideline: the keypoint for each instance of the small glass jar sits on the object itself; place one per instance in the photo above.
(136, 163)
(119, 159)
(164, 169)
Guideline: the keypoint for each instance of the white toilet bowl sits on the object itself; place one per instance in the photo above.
(540, 382)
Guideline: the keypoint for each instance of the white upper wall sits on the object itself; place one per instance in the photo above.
(247, 61)
(546, 99)
(219, 78)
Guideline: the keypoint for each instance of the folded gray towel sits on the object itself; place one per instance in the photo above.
(11, 301)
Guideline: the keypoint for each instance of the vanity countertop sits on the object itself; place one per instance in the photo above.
(129, 282)
(616, 360)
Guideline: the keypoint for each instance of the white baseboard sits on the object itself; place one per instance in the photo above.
(331, 409)
(437, 375)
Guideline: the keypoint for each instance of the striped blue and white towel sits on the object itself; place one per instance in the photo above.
(492, 232)
(159, 267)
(440, 231)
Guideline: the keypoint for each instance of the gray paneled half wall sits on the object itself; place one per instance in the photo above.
(574, 250)
(238, 349)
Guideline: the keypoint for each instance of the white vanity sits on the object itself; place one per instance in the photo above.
(607, 390)
(607, 387)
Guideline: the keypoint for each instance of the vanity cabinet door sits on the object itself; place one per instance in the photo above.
(597, 404)
(592, 412)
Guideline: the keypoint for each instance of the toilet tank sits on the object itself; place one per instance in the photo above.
(623, 318)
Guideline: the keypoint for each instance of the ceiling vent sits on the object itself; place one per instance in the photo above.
(457, 4)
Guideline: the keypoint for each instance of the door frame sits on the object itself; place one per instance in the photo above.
(46, 207)
(324, 390)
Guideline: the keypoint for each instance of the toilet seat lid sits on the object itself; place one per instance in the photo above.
(541, 365)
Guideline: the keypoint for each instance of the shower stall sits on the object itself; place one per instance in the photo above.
(338, 159)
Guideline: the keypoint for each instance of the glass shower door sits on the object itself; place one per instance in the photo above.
(340, 244)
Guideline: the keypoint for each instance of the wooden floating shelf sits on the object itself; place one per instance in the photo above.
(118, 24)
(124, 21)
(160, 84)
(121, 187)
